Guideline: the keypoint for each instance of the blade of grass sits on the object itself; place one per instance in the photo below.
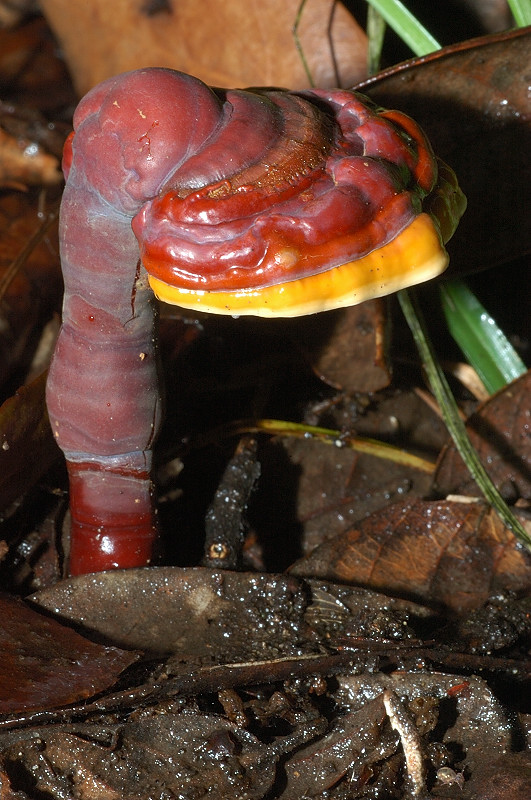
(521, 11)
(483, 343)
(376, 26)
(300, 430)
(372, 447)
(407, 26)
(453, 421)
(298, 44)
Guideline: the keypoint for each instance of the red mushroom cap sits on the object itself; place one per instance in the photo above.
(297, 203)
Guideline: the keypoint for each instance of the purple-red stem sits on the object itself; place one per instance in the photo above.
(102, 391)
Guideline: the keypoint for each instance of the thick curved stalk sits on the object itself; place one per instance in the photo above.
(102, 391)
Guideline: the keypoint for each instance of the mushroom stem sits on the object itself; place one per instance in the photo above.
(102, 392)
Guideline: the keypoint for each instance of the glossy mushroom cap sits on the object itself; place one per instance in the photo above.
(294, 203)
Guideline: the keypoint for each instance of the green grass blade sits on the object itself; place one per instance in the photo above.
(376, 26)
(485, 346)
(454, 423)
(372, 447)
(407, 26)
(521, 11)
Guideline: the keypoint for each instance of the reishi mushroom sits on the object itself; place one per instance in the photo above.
(265, 202)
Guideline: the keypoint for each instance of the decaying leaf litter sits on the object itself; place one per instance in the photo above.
(279, 711)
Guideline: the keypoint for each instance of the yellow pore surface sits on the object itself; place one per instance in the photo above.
(414, 256)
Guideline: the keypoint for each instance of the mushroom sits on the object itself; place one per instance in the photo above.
(265, 202)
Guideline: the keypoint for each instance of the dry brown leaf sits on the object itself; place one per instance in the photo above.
(232, 43)
(452, 554)
(500, 431)
(24, 163)
(352, 357)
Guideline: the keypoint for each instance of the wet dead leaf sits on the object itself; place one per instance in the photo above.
(352, 745)
(472, 718)
(44, 664)
(450, 554)
(225, 44)
(170, 755)
(24, 122)
(505, 778)
(500, 431)
(472, 100)
(357, 750)
(211, 615)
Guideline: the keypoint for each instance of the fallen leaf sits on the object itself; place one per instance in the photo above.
(472, 717)
(225, 44)
(351, 747)
(347, 348)
(450, 554)
(25, 122)
(213, 615)
(45, 664)
(170, 755)
(472, 100)
(32, 69)
(500, 431)
(310, 491)
(505, 778)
